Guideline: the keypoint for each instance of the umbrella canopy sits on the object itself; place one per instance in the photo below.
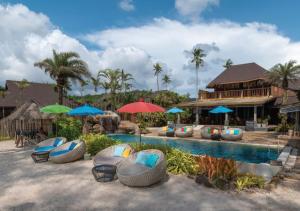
(85, 110)
(220, 110)
(140, 107)
(175, 110)
(55, 109)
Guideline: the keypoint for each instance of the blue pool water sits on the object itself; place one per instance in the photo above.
(235, 151)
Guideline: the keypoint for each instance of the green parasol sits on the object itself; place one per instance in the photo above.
(55, 109)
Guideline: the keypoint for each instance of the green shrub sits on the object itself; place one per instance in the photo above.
(179, 162)
(246, 181)
(97, 142)
(69, 127)
(157, 119)
(164, 148)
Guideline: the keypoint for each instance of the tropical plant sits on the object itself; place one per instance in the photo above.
(152, 119)
(157, 70)
(166, 80)
(97, 142)
(83, 84)
(228, 63)
(179, 162)
(96, 81)
(125, 81)
(282, 74)
(198, 55)
(249, 181)
(63, 67)
(139, 147)
(284, 125)
(69, 127)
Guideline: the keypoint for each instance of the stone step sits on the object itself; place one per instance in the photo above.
(291, 160)
(292, 175)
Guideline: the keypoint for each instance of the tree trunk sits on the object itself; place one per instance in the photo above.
(157, 82)
(197, 109)
(60, 92)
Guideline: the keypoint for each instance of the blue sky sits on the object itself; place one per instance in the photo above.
(135, 34)
(85, 16)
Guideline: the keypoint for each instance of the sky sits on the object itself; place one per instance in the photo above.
(135, 34)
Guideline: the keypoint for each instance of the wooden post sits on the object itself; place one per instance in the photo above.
(255, 114)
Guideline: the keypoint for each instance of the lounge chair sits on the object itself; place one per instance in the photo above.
(134, 174)
(50, 144)
(106, 156)
(166, 131)
(232, 134)
(211, 133)
(184, 132)
(69, 152)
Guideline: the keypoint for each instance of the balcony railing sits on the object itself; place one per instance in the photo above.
(258, 92)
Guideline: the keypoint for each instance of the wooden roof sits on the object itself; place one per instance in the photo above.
(42, 94)
(239, 73)
(247, 101)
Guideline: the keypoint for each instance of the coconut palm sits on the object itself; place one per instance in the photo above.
(166, 80)
(63, 67)
(157, 70)
(198, 55)
(113, 78)
(96, 82)
(228, 63)
(282, 74)
(125, 78)
(83, 84)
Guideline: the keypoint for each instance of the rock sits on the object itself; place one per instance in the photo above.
(203, 180)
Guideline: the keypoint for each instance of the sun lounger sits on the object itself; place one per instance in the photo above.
(184, 132)
(232, 134)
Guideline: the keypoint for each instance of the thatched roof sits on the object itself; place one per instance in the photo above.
(247, 101)
(239, 73)
(28, 111)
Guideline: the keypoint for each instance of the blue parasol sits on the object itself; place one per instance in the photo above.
(220, 110)
(85, 110)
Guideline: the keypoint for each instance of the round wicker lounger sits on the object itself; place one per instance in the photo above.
(181, 134)
(50, 141)
(232, 137)
(205, 132)
(73, 155)
(137, 175)
(106, 156)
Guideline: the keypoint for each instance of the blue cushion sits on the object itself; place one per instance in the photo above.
(147, 159)
(44, 149)
(57, 153)
(170, 129)
(228, 132)
(151, 160)
(72, 146)
(236, 132)
(57, 142)
(119, 151)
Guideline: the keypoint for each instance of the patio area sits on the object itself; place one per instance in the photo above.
(25, 185)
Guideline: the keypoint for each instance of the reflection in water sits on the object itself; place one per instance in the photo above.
(240, 152)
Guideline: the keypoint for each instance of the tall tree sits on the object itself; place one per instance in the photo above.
(166, 80)
(22, 85)
(282, 74)
(157, 70)
(113, 79)
(63, 67)
(83, 84)
(197, 59)
(228, 63)
(96, 81)
(125, 81)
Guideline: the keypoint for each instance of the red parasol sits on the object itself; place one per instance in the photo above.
(140, 107)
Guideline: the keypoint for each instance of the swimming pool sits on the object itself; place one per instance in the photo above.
(240, 152)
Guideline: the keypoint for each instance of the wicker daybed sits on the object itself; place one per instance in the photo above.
(182, 134)
(63, 153)
(232, 134)
(138, 175)
(106, 156)
(50, 144)
(208, 132)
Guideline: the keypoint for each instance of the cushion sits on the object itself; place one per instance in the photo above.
(182, 129)
(170, 129)
(185, 130)
(72, 146)
(208, 130)
(44, 149)
(189, 129)
(57, 153)
(126, 153)
(118, 151)
(227, 132)
(57, 142)
(231, 132)
(236, 132)
(147, 159)
(215, 131)
(165, 128)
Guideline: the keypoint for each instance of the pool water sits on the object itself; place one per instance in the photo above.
(240, 152)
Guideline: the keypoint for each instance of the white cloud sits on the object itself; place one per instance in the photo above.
(168, 40)
(127, 5)
(193, 8)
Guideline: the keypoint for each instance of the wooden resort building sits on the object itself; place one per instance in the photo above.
(245, 89)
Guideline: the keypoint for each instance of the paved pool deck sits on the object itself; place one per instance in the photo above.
(25, 185)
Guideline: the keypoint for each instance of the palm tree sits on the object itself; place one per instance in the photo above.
(166, 80)
(282, 74)
(228, 63)
(96, 82)
(198, 55)
(113, 78)
(83, 84)
(157, 70)
(22, 85)
(63, 67)
(125, 77)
